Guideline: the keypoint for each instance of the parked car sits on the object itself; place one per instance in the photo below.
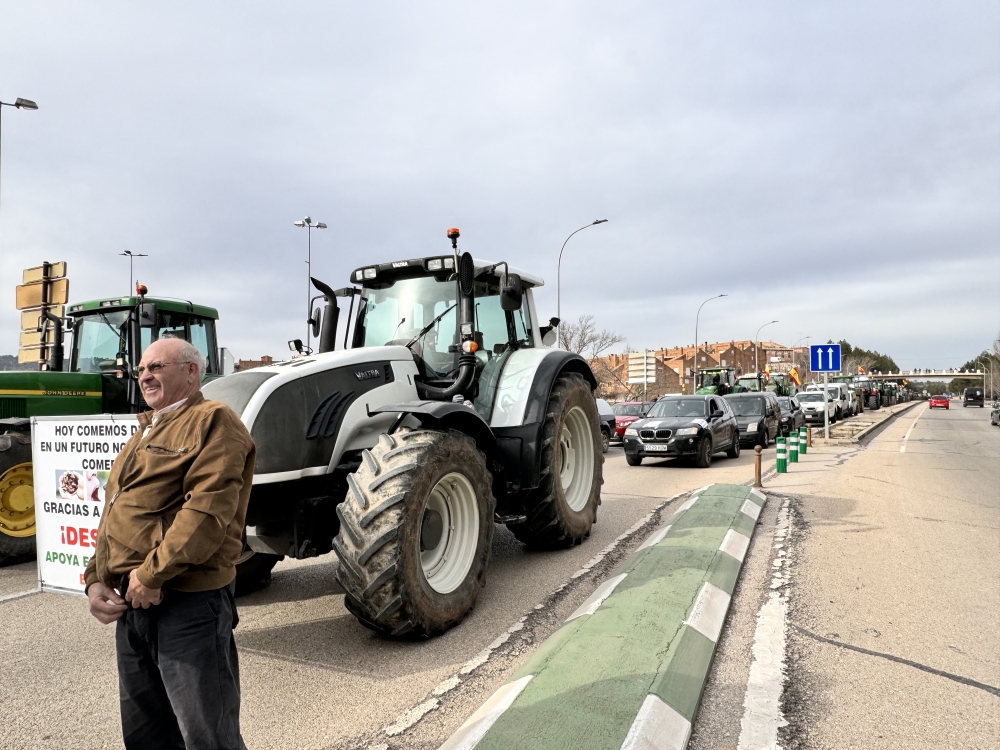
(695, 426)
(813, 403)
(627, 412)
(606, 414)
(792, 417)
(758, 416)
(974, 397)
(841, 396)
(939, 402)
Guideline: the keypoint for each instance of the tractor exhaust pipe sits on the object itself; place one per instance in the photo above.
(331, 316)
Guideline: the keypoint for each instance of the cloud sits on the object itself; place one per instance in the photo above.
(833, 167)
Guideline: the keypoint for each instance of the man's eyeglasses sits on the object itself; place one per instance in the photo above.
(154, 367)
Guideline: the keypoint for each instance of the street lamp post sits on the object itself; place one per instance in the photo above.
(756, 346)
(694, 384)
(559, 265)
(307, 222)
(132, 256)
(804, 338)
(19, 103)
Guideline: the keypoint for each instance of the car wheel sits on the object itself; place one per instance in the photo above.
(632, 460)
(605, 440)
(734, 449)
(704, 458)
(765, 439)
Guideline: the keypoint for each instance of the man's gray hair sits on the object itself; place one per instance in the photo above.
(188, 352)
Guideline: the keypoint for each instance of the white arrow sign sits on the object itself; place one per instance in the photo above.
(830, 357)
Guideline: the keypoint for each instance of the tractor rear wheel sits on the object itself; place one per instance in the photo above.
(561, 511)
(17, 499)
(415, 532)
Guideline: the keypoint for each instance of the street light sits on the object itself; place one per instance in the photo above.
(559, 265)
(694, 385)
(19, 103)
(804, 338)
(756, 346)
(132, 256)
(307, 222)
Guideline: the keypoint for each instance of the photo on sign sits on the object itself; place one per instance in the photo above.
(95, 483)
(69, 484)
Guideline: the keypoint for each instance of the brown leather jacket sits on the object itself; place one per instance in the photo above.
(177, 501)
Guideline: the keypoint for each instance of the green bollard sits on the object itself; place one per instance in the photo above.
(793, 448)
(802, 441)
(781, 455)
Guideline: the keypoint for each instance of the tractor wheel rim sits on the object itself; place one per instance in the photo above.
(576, 450)
(17, 501)
(449, 533)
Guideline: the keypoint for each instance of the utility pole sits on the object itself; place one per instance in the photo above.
(307, 222)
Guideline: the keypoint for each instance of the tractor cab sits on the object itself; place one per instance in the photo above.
(718, 380)
(110, 335)
(753, 382)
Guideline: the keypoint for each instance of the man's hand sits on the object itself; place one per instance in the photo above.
(140, 596)
(105, 604)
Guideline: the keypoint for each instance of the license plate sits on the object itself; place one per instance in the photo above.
(654, 448)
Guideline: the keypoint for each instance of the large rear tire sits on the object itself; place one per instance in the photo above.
(17, 499)
(415, 533)
(561, 511)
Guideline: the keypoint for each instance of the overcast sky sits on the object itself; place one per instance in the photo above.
(835, 166)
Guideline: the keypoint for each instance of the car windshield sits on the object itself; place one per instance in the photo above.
(678, 407)
(400, 312)
(747, 407)
(810, 396)
(628, 410)
(786, 403)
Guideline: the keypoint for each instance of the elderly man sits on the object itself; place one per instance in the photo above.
(169, 541)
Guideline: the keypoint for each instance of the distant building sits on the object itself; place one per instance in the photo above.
(250, 364)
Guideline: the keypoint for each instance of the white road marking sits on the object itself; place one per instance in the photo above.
(19, 595)
(685, 505)
(597, 598)
(477, 725)
(657, 726)
(902, 448)
(761, 495)
(750, 509)
(655, 538)
(709, 611)
(735, 545)
(762, 703)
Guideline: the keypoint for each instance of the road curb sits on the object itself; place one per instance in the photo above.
(888, 418)
(627, 668)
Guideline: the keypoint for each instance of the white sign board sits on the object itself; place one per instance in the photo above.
(71, 460)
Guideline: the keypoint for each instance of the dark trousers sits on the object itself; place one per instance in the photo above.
(178, 673)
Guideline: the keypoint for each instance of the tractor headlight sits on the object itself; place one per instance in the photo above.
(449, 262)
(434, 264)
(631, 432)
(370, 273)
(687, 431)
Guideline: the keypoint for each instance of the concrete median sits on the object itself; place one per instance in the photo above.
(628, 667)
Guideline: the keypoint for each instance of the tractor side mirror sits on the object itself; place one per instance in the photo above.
(147, 315)
(548, 332)
(510, 292)
(314, 322)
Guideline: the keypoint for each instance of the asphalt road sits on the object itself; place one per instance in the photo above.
(312, 677)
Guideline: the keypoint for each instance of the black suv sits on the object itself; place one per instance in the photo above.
(974, 397)
(758, 416)
(695, 426)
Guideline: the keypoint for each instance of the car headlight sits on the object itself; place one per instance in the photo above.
(751, 428)
(687, 431)
(631, 432)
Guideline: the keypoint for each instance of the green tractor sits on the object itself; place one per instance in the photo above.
(718, 380)
(109, 336)
(777, 382)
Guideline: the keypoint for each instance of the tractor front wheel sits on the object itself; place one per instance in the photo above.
(17, 499)
(561, 511)
(415, 533)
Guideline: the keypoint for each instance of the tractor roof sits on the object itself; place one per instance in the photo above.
(422, 266)
(167, 305)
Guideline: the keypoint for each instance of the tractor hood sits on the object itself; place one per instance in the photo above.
(26, 393)
(304, 414)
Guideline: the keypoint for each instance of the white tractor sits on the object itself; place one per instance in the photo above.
(449, 413)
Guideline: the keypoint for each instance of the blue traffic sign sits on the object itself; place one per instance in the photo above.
(824, 357)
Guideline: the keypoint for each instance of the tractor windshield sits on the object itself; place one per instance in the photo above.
(422, 313)
(97, 340)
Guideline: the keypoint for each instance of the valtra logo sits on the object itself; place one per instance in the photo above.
(368, 374)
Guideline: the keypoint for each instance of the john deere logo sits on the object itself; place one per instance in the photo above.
(367, 374)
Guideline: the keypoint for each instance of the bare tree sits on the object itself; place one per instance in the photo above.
(583, 337)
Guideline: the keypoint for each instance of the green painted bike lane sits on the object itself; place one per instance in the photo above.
(627, 668)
